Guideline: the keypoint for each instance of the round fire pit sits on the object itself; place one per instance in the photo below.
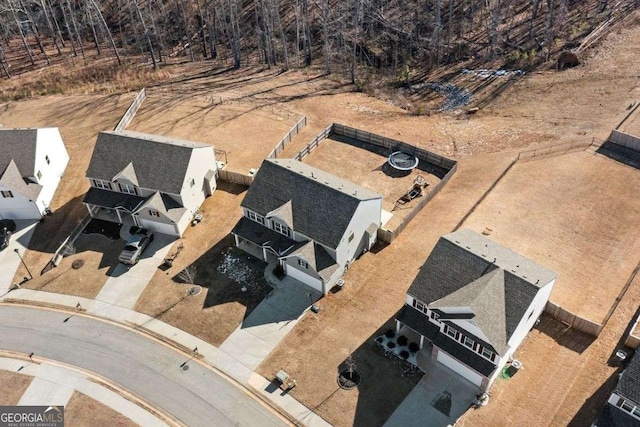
(349, 380)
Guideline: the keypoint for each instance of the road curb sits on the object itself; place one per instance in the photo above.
(104, 382)
(163, 340)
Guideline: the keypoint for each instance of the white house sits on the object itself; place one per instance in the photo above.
(157, 182)
(472, 303)
(32, 161)
(308, 221)
(623, 406)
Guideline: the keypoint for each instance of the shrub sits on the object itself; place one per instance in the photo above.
(402, 340)
(404, 354)
(77, 264)
(390, 333)
(414, 347)
(391, 344)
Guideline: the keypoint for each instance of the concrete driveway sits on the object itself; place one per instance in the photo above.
(9, 260)
(438, 400)
(270, 322)
(126, 284)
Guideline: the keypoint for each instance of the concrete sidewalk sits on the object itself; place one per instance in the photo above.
(54, 385)
(214, 356)
(9, 260)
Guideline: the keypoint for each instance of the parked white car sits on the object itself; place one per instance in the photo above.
(138, 242)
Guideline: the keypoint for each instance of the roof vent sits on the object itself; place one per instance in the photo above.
(537, 281)
(312, 175)
(355, 192)
(495, 259)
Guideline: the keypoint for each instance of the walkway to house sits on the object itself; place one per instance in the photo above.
(438, 400)
(270, 321)
(126, 284)
(9, 260)
(54, 385)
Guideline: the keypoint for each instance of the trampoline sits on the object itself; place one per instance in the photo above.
(402, 161)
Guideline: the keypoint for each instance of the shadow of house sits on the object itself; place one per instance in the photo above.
(594, 403)
(223, 271)
(231, 188)
(620, 154)
(564, 335)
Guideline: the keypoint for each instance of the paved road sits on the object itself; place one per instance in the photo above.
(197, 396)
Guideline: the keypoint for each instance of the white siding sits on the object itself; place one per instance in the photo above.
(158, 227)
(49, 144)
(17, 207)
(202, 160)
(368, 212)
(304, 278)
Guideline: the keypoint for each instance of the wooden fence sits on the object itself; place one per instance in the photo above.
(625, 140)
(287, 138)
(235, 177)
(314, 143)
(570, 319)
(556, 149)
(131, 111)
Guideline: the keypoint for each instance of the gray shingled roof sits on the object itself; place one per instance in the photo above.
(112, 199)
(19, 145)
(262, 236)
(13, 179)
(322, 204)
(629, 384)
(317, 257)
(465, 259)
(465, 355)
(417, 321)
(610, 416)
(165, 204)
(158, 163)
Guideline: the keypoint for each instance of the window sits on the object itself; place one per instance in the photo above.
(451, 332)
(192, 182)
(255, 217)
(417, 304)
(303, 263)
(39, 175)
(154, 213)
(105, 185)
(628, 407)
(46, 159)
(435, 316)
(468, 342)
(129, 189)
(7, 194)
(350, 237)
(282, 229)
(487, 353)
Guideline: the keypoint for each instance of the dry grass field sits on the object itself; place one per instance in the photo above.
(12, 387)
(576, 214)
(83, 411)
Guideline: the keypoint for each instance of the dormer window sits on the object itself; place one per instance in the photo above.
(282, 229)
(105, 185)
(129, 189)
(303, 263)
(255, 217)
(7, 194)
(154, 213)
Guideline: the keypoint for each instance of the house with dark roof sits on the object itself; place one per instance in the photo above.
(155, 182)
(32, 161)
(472, 304)
(311, 223)
(623, 406)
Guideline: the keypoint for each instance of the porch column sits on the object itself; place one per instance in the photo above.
(119, 217)
(235, 237)
(421, 342)
(90, 211)
(398, 326)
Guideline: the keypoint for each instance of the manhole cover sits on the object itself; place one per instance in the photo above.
(348, 380)
(195, 290)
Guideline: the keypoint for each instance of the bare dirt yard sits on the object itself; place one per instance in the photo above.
(577, 215)
(222, 272)
(244, 129)
(12, 387)
(370, 170)
(83, 411)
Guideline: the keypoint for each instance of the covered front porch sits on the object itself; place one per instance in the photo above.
(112, 206)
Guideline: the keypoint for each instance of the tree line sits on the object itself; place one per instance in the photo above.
(341, 35)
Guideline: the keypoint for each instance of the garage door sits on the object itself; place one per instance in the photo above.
(305, 278)
(459, 368)
(159, 227)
